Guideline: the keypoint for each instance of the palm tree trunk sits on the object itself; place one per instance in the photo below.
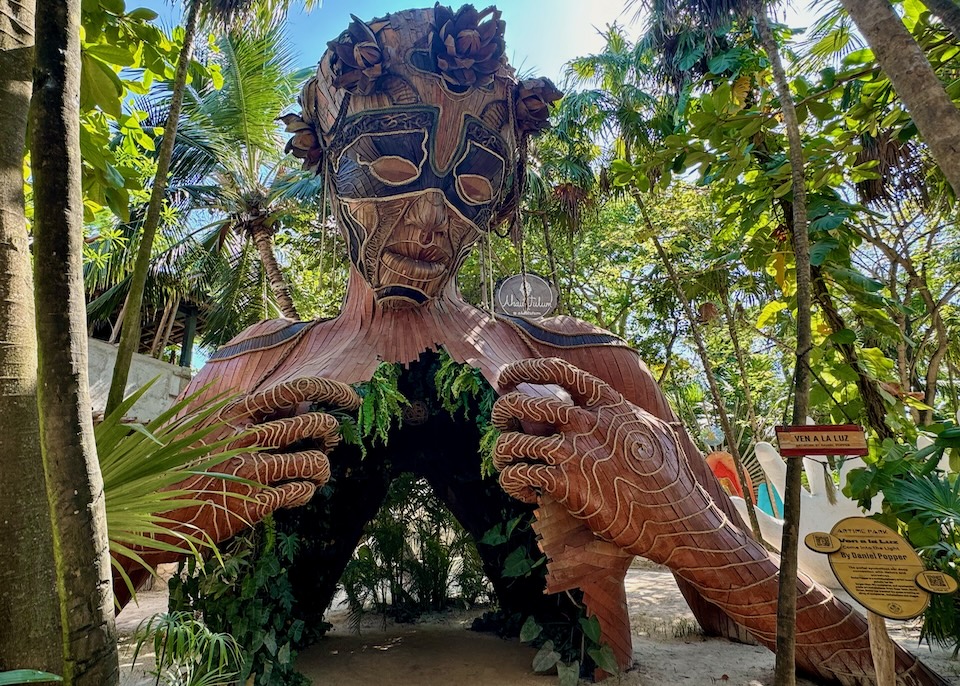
(130, 334)
(913, 78)
(281, 291)
(30, 637)
(785, 670)
(74, 483)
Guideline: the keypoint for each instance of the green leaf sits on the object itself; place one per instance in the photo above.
(922, 534)
(859, 57)
(769, 312)
(850, 277)
(604, 658)
(99, 86)
(569, 675)
(827, 223)
(530, 630)
(820, 250)
(27, 676)
(518, 563)
(142, 14)
(111, 54)
(270, 643)
(546, 658)
(591, 628)
(843, 336)
(283, 655)
(113, 6)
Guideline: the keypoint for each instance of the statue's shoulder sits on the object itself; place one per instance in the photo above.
(563, 332)
(599, 352)
(269, 333)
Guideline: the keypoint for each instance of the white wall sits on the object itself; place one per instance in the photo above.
(162, 394)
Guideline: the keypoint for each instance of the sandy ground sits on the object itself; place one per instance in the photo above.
(440, 650)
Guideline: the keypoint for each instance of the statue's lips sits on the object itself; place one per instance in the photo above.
(425, 267)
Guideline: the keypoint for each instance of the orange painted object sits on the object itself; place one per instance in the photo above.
(725, 469)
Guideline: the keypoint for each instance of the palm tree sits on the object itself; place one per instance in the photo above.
(224, 13)
(247, 188)
(913, 78)
(74, 483)
(252, 187)
(231, 190)
(28, 598)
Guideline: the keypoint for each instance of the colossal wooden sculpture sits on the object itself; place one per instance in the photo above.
(419, 125)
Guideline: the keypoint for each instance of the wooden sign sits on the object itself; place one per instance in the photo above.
(826, 439)
(525, 295)
(878, 568)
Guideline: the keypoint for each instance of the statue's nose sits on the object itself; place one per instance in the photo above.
(429, 215)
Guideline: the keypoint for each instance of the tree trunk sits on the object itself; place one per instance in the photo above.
(874, 406)
(74, 483)
(30, 631)
(281, 291)
(785, 670)
(948, 12)
(130, 333)
(913, 78)
(725, 424)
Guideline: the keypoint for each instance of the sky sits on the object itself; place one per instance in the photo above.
(541, 36)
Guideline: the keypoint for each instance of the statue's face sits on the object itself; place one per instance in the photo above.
(416, 116)
(414, 188)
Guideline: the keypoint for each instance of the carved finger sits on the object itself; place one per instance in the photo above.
(520, 406)
(516, 447)
(289, 394)
(586, 389)
(283, 497)
(526, 482)
(267, 469)
(283, 432)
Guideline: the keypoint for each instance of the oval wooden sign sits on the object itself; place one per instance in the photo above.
(878, 568)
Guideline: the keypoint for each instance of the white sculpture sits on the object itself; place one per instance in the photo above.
(817, 513)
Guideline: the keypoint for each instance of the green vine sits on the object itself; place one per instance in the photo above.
(382, 405)
(462, 388)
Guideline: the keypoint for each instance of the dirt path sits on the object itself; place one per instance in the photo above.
(441, 651)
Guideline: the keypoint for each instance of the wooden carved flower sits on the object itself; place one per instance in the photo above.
(304, 143)
(357, 60)
(466, 49)
(533, 100)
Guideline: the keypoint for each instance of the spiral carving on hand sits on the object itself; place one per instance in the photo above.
(621, 470)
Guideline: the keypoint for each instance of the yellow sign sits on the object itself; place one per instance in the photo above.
(843, 439)
(878, 568)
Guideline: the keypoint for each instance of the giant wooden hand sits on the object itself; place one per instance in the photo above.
(288, 465)
(619, 469)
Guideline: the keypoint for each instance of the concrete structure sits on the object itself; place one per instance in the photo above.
(165, 390)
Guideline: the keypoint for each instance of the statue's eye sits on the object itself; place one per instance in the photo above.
(394, 170)
(475, 189)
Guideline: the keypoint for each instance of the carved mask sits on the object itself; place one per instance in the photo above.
(413, 118)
